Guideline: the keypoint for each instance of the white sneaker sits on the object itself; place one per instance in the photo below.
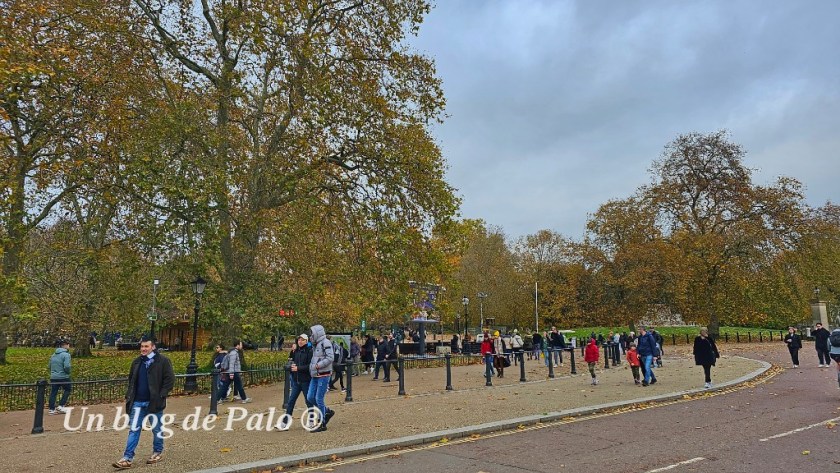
(285, 423)
(236, 397)
(60, 410)
(53, 412)
(595, 382)
(707, 385)
(247, 400)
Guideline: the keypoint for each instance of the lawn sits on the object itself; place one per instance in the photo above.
(27, 365)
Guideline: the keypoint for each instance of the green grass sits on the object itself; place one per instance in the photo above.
(27, 365)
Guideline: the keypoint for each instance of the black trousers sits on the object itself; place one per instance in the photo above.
(823, 354)
(794, 355)
(707, 370)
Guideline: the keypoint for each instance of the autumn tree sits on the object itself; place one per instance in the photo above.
(721, 223)
(314, 104)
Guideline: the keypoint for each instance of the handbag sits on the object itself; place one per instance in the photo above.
(505, 362)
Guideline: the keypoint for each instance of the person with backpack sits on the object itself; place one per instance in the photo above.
(232, 368)
(705, 354)
(648, 350)
(834, 351)
(339, 361)
(794, 344)
(320, 370)
(221, 353)
(821, 336)
(516, 344)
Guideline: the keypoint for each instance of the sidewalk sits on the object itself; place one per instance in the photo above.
(377, 414)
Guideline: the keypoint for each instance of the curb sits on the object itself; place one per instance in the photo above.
(461, 432)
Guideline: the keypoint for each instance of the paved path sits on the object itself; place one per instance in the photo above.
(377, 415)
(788, 422)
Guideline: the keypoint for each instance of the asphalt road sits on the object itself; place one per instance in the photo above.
(781, 424)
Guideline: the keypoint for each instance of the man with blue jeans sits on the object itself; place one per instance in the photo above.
(60, 377)
(150, 379)
(320, 369)
(300, 357)
(648, 350)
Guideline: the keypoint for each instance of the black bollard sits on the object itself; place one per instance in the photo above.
(287, 386)
(550, 366)
(38, 426)
(686, 339)
(401, 371)
(761, 337)
(448, 371)
(737, 337)
(348, 397)
(606, 358)
(673, 339)
(521, 367)
(572, 360)
(749, 337)
(214, 393)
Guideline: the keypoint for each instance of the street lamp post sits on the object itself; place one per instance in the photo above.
(190, 384)
(153, 314)
(481, 297)
(466, 301)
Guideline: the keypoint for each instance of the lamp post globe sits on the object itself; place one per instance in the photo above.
(190, 383)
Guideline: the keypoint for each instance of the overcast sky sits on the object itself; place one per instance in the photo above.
(555, 107)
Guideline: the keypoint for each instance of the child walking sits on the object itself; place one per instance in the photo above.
(633, 359)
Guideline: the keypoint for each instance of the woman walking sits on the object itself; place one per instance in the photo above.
(705, 354)
(794, 344)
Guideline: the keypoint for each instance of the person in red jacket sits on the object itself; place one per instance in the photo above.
(487, 353)
(590, 356)
(633, 360)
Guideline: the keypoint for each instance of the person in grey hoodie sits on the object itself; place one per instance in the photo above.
(320, 369)
(60, 376)
(231, 368)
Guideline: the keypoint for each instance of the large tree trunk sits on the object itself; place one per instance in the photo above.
(714, 326)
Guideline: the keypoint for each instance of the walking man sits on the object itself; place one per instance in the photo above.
(821, 343)
(320, 369)
(648, 350)
(300, 378)
(60, 377)
(150, 379)
(794, 344)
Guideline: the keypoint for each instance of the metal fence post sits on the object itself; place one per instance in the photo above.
(214, 392)
(572, 360)
(348, 397)
(550, 366)
(287, 383)
(521, 366)
(737, 337)
(761, 337)
(674, 339)
(606, 358)
(726, 337)
(401, 371)
(38, 426)
(448, 371)
(749, 337)
(686, 339)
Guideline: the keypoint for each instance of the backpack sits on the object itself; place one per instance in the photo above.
(339, 353)
(834, 338)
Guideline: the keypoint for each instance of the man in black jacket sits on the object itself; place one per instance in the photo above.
(381, 355)
(391, 358)
(150, 379)
(300, 358)
(821, 343)
(558, 343)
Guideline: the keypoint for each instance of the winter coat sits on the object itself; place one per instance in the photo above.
(60, 364)
(646, 345)
(591, 354)
(516, 341)
(232, 362)
(705, 351)
(793, 341)
(537, 338)
(821, 338)
(486, 347)
(220, 357)
(382, 350)
(557, 340)
(633, 357)
(302, 356)
(161, 378)
(498, 346)
(322, 353)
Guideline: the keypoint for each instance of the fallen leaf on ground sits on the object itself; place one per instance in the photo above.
(806, 452)
(224, 450)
